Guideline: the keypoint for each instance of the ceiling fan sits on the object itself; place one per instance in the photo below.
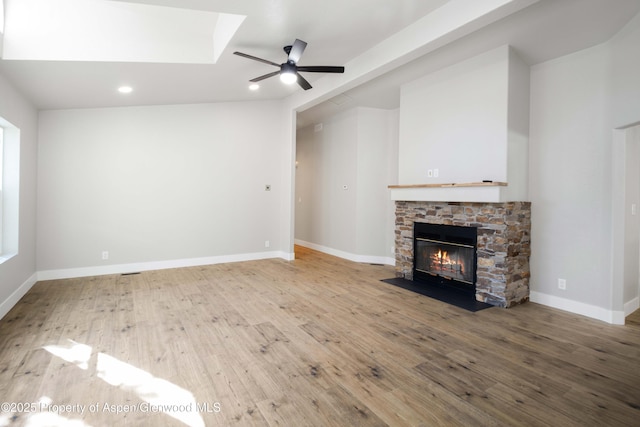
(290, 70)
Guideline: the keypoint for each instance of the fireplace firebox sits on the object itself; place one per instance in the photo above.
(445, 256)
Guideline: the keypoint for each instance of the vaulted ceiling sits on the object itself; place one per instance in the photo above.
(76, 71)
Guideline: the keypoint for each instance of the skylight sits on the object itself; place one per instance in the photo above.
(115, 31)
(1, 17)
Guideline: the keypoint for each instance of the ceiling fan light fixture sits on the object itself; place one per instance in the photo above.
(288, 78)
(288, 73)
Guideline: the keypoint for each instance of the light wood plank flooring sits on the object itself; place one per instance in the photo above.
(319, 341)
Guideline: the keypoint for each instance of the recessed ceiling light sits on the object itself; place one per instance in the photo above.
(254, 86)
(125, 89)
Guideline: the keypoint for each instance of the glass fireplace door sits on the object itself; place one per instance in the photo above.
(450, 260)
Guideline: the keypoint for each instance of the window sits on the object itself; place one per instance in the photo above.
(9, 189)
(1, 194)
(1, 20)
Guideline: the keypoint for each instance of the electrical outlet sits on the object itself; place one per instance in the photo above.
(105, 255)
(267, 243)
(562, 284)
(430, 173)
(436, 172)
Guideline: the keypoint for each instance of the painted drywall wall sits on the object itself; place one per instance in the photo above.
(626, 66)
(466, 123)
(161, 183)
(342, 173)
(577, 102)
(326, 183)
(393, 172)
(376, 144)
(625, 102)
(518, 128)
(570, 181)
(632, 217)
(455, 120)
(18, 273)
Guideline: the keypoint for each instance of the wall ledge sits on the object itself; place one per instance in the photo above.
(481, 192)
(450, 185)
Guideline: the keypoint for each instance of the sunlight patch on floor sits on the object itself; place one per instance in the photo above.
(161, 396)
(78, 354)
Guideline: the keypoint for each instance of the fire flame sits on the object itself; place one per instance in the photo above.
(445, 263)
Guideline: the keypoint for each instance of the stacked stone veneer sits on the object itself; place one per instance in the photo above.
(504, 231)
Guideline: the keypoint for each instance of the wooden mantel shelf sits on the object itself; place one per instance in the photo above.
(467, 184)
(487, 192)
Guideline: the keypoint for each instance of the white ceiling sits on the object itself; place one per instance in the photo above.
(336, 31)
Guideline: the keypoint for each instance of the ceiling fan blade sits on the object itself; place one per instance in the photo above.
(255, 58)
(321, 69)
(304, 84)
(266, 76)
(296, 51)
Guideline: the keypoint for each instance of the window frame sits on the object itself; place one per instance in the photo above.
(1, 182)
(9, 191)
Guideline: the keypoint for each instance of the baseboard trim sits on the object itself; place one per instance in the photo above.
(13, 299)
(364, 259)
(592, 311)
(631, 306)
(157, 265)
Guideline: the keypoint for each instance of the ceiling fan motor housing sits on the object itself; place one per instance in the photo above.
(288, 67)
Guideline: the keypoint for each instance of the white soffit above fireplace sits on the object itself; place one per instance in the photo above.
(118, 31)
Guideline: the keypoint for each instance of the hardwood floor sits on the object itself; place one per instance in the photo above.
(318, 341)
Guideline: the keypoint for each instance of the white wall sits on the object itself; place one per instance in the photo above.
(326, 161)
(626, 112)
(626, 67)
(159, 184)
(577, 175)
(17, 274)
(377, 155)
(470, 121)
(455, 120)
(570, 177)
(518, 115)
(355, 149)
(632, 217)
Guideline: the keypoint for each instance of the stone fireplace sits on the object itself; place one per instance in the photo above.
(503, 243)
(463, 160)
